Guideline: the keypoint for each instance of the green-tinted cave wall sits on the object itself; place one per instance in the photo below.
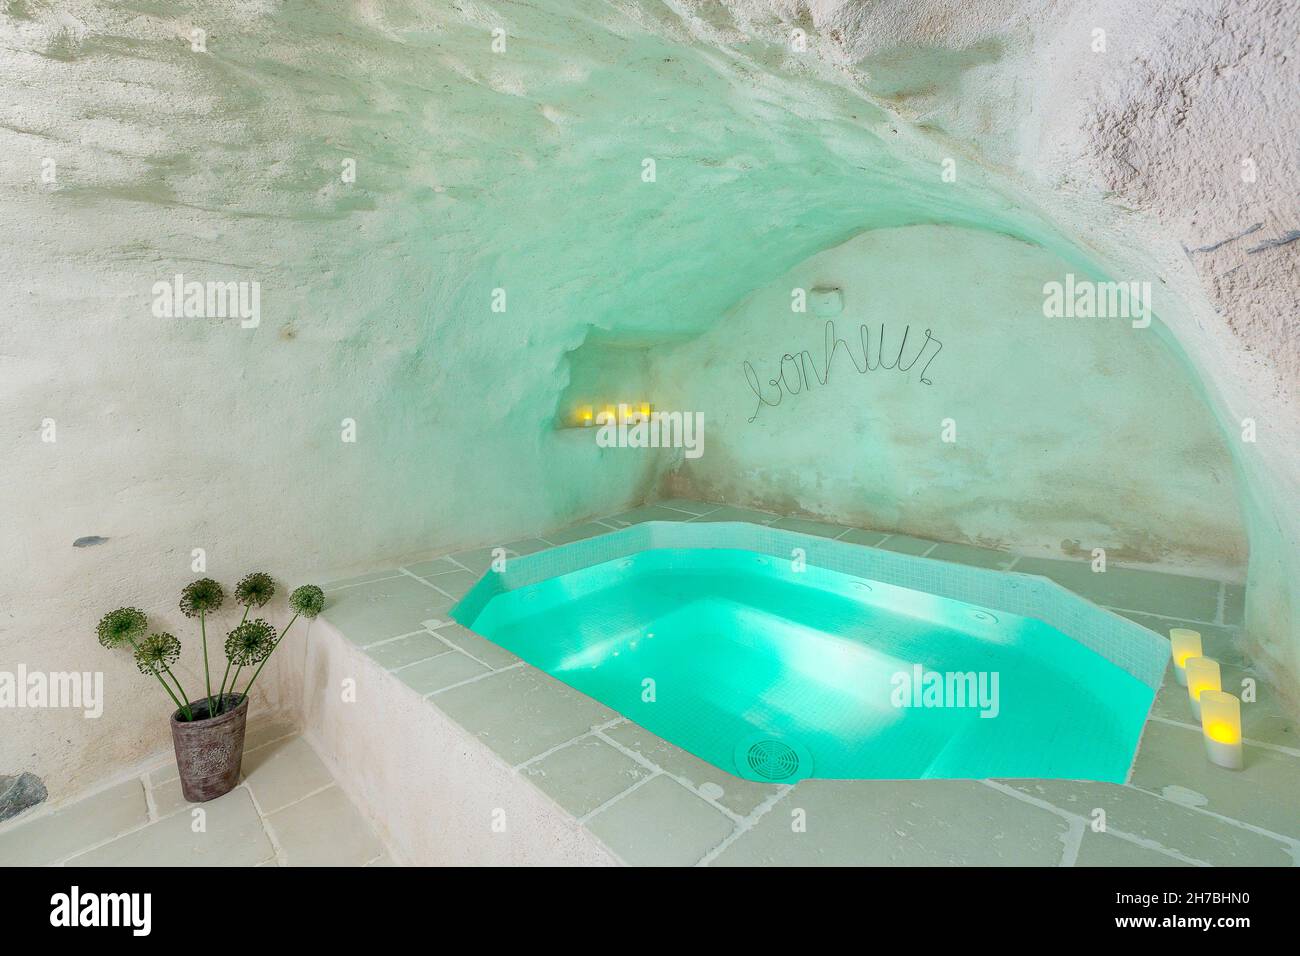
(989, 423)
(475, 171)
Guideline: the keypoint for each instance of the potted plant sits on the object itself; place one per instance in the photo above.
(208, 733)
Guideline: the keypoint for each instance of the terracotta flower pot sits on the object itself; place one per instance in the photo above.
(209, 750)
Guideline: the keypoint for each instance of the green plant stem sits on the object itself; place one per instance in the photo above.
(268, 656)
(221, 691)
(207, 676)
(185, 707)
(170, 693)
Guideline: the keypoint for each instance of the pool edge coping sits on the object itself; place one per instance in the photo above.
(883, 565)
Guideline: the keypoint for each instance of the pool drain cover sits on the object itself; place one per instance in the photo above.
(772, 759)
(766, 757)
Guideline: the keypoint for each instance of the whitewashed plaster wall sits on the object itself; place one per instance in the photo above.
(971, 417)
(523, 169)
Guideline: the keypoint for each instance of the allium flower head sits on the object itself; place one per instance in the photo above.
(255, 589)
(308, 600)
(250, 643)
(201, 597)
(156, 652)
(121, 626)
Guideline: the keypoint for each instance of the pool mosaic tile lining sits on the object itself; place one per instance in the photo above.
(781, 672)
(1128, 645)
(1224, 818)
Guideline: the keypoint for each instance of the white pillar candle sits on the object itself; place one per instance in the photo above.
(1221, 727)
(1202, 675)
(1185, 643)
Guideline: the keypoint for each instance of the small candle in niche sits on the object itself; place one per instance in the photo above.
(586, 415)
(1221, 728)
(1202, 675)
(1185, 643)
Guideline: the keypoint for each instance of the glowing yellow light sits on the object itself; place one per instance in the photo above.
(645, 409)
(586, 414)
(1221, 726)
(1202, 675)
(1222, 732)
(1185, 643)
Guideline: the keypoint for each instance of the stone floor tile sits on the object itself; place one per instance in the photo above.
(906, 544)
(648, 513)
(729, 513)
(584, 774)
(324, 830)
(1171, 759)
(577, 532)
(477, 560)
(1102, 849)
(737, 794)
(1186, 831)
(526, 546)
(440, 671)
(1133, 589)
(661, 823)
(375, 612)
(406, 650)
(52, 836)
(900, 823)
(232, 835)
(689, 505)
(859, 536)
(807, 526)
(972, 556)
(455, 584)
(521, 712)
(283, 772)
(476, 646)
(167, 797)
(1221, 643)
(432, 567)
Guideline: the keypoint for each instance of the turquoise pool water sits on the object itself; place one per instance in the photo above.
(779, 674)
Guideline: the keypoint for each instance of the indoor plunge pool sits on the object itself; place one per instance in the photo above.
(777, 657)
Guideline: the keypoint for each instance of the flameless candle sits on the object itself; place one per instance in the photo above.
(1221, 726)
(1202, 675)
(1186, 643)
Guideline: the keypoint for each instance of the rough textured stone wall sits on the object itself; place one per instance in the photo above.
(947, 405)
(1166, 148)
(380, 169)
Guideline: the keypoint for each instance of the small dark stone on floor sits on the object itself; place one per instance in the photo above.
(19, 793)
